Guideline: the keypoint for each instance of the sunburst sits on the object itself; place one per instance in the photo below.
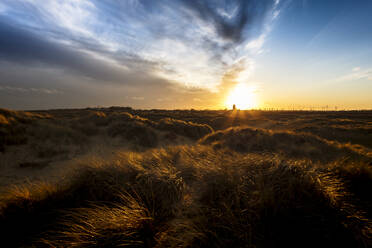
(243, 96)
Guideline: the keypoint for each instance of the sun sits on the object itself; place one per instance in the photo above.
(243, 96)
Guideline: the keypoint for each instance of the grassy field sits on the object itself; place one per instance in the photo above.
(119, 177)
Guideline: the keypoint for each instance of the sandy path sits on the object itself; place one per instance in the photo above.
(12, 175)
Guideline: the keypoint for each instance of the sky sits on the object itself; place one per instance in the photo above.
(182, 54)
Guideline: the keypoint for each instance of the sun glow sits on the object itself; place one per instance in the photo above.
(243, 96)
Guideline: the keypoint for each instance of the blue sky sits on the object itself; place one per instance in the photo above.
(185, 54)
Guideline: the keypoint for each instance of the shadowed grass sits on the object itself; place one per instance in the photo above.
(241, 187)
(13, 126)
(290, 144)
(188, 129)
(128, 223)
(189, 197)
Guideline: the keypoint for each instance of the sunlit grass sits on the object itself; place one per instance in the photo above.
(157, 178)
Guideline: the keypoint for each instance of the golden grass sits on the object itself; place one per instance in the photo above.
(103, 226)
(239, 187)
(3, 120)
(288, 143)
(191, 197)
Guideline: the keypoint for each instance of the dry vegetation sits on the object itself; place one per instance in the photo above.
(262, 179)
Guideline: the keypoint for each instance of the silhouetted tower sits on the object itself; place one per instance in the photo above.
(234, 107)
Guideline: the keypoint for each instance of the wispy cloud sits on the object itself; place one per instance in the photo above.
(356, 73)
(138, 98)
(30, 90)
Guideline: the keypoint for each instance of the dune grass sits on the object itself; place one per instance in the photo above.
(189, 197)
(239, 187)
(13, 127)
(290, 144)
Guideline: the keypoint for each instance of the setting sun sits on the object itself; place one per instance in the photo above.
(243, 96)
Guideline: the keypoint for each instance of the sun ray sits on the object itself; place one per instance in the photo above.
(243, 96)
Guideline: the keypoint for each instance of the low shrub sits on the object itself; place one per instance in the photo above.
(290, 144)
(188, 129)
(136, 132)
(108, 206)
(96, 118)
(56, 133)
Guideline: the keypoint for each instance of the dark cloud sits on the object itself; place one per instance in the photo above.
(31, 67)
(25, 46)
(233, 27)
(18, 45)
(234, 21)
(18, 84)
(239, 18)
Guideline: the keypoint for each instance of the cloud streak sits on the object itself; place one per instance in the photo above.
(30, 90)
(356, 74)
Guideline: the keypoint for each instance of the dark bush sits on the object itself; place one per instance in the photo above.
(188, 129)
(290, 144)
(136, 132)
